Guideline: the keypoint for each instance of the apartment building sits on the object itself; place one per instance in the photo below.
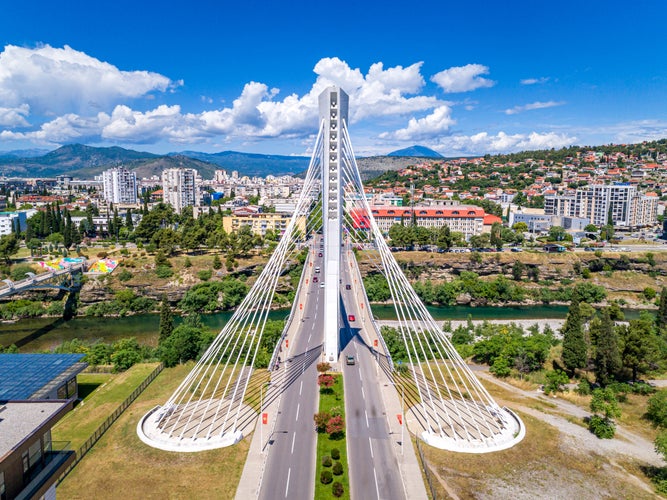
(598, 202)
(180, 188)
(260, 222)
(120, 185)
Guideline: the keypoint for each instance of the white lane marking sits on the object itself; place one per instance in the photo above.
(371, 447)
(293, 439)
(289, 471)
(297, 415)
(301, 388)
(362, 393)
(377, 488)
(309, 337)
(366, 413)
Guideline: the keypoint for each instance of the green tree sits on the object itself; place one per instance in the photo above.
(661, 317)
(607, 352)
(495, 238)
(166, 319)
(656, 409)
(518, 269)
(9, 245)
(605, 409)
(574, 343)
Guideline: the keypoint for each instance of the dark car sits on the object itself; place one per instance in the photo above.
(314, 279)
(348, 287)
(319, 254)
(589, 249)
(349, 360)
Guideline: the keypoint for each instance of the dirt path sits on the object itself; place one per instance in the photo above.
(627, 444)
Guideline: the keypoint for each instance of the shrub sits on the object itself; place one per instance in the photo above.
(584, 387)
(102, 255)
(656, 410)
(337, 469)
(326, 477)
(335, 426)
(321, 420)
(216, 262)
(164, 272)
(325, 382)
(326, 461)
(323, 367)
(337, 489)
(335, 453)
(601, 427)
(18, 272)
(649, 293)
(187, 263)
(125, 275)
(205, 274)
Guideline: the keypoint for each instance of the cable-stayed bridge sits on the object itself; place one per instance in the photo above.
(441, 399)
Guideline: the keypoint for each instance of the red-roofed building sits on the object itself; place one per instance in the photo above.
(465, 219)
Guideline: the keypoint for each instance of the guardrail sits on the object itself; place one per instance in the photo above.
(372, 318)
(290, 317)
(36, 279)
(99, 432)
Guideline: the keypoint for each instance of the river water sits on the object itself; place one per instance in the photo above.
(43, 334)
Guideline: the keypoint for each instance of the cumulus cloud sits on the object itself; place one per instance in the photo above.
(63, 80)
(534, 81)
(14, 117)
(463, 78)
(502, 142)
(532, 106)
(433, 125)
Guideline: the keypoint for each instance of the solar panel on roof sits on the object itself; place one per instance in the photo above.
(21, 375)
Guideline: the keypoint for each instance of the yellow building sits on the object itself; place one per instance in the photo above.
(261, 222)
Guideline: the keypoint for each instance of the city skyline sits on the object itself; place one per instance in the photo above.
(462, 80)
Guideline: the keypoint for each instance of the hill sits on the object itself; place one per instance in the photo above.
(417, 152)
(252, 164)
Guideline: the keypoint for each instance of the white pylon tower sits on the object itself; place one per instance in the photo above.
(448, 406)
(333, 112)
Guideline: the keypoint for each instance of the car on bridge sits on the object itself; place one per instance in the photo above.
(348, 287)
(315, 279)
(349, 360)
(319, 254)
(350, 317)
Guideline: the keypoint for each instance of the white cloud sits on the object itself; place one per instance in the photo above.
(532, 106)
(463, 78)
(501, 142)
(433, 125)
(14, 117)
(63, 80)
(534, 81)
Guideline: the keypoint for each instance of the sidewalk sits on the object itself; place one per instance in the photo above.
(405, 452)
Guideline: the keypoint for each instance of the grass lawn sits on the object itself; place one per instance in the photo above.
(121, 466)
(328, 402)
(102, 393)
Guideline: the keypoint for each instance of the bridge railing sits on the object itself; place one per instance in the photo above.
(290, 318)
(376, 327)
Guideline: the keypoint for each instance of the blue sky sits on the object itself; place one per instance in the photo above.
(462, 78)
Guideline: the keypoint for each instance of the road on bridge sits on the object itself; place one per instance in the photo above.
(374, 471)
(291, 462)
(290, 466)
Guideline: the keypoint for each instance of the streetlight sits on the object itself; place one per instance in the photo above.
(261, 407)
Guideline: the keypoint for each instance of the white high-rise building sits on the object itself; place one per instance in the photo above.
(180, 188)
(120, 185)
(598, 202)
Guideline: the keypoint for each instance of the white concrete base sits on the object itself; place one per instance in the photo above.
(149, 433)
(513, 432)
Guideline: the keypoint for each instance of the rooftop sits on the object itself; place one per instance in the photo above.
(25, 376)
(19, 419)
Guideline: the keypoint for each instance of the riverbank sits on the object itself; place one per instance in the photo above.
(554, 324)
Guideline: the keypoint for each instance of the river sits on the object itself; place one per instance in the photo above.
(43, 334)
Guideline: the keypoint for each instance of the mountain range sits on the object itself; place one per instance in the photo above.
(85, 162)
